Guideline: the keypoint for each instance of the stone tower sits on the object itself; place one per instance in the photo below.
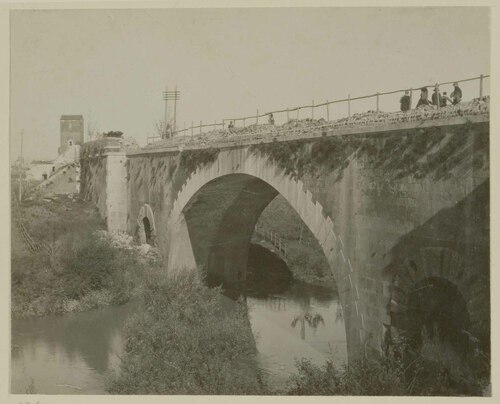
(71, 132)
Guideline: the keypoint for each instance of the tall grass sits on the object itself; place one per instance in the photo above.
(187, 342)
(78, 270)
(432, 370)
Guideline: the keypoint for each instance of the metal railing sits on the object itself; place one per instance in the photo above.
(254, 119)
(273, 238)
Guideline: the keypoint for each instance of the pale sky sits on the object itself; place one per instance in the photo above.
(114, 64)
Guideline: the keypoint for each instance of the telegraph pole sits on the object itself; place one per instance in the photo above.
(174, 96)
(89, 136)
(166, 103)
(21, 166)
(175, 110)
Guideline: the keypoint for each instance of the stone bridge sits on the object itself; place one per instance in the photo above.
(395, 208)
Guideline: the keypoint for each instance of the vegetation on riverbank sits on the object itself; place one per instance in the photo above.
(187, 341)
(432, 370)
(76, 269)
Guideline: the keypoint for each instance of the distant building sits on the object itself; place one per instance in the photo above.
(71, 132)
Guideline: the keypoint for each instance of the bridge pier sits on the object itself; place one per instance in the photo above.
(103, 180)
(180, 257)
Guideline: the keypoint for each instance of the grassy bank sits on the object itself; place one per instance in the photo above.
(187, 341)
(75, 269)
(432, 370)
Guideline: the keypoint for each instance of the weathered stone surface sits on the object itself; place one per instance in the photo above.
(398, 205)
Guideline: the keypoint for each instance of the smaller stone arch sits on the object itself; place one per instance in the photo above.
(439, 263)
(146, 227)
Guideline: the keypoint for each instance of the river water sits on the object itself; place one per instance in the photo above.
(71, 354)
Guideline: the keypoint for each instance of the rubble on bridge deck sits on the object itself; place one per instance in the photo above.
(294, 126)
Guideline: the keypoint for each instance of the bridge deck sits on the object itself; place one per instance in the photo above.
(369, 123)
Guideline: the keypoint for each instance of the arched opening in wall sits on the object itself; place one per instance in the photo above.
(440, 306)
(436, 310)
(70, 142)
(146, 228)
(249, 239)
(437, 324)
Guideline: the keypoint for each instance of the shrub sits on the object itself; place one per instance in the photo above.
(306, 266)
(187, 342)
(413, 373)
(93, 264)
(76, 269)
(314, 380)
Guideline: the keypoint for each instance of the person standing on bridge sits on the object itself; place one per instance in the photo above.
(436, 97)
(456, 95)
(424, 100)
(405, 101)
(271, 119)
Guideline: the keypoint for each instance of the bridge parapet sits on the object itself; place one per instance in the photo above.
(101, 147)
(474, 111)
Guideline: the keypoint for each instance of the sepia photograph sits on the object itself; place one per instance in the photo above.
(249, 201)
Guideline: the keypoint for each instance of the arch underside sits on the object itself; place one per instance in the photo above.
(221, 221)
(214, 216)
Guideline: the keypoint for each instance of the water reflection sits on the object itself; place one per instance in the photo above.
(67, 354)
(312, 320)
(70, 354)
(280, 322)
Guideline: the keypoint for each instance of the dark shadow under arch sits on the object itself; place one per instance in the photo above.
(146, 227)
(147, 230)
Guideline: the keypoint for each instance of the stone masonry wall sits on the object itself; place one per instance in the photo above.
(362, 196)
(103, 180)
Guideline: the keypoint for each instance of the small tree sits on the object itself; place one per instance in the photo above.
(164, 129)
(93, 133)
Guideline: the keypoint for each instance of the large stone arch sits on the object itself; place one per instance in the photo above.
(145, 213)
(257, 167)
(443, 263)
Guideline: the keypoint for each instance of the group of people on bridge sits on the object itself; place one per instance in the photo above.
(437, 98)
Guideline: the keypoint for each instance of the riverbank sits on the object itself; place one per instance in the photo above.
(433, 369)
(189, 339)
(184, 340)
(62, 260)
(78, 349)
